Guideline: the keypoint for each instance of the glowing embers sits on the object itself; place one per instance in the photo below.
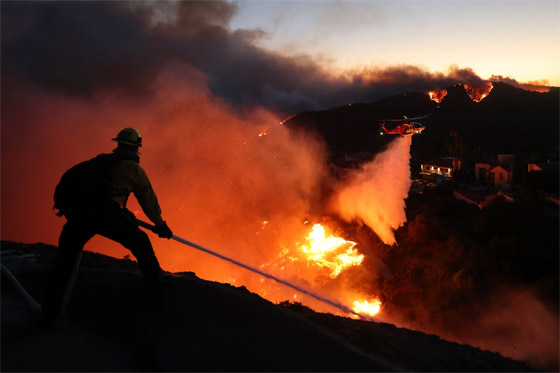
(437, 95)
(367, 308)
(334, 253)
(479, 92)
(264, 132)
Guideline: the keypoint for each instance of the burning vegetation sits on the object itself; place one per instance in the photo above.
(319, 261)
(437, 95)
(478, 92)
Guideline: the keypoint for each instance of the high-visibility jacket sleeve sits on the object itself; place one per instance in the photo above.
(129, 177)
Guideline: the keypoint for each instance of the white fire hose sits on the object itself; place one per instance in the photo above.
(35, 306)
(258, 271)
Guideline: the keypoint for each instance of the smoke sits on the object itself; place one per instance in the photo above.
(82, 48)
(536, 86)
(75, 73)
(518, 325)
(216, 179)
(218, 182)
(375, 194)
(513, 323)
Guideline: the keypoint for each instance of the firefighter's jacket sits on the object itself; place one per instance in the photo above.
(127, 176)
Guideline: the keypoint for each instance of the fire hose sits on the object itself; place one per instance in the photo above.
(35, 306)
(328, 301)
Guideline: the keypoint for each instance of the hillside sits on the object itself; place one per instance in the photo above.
(197, 325)
(508, 121)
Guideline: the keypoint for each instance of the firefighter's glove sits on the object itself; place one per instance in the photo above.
(163, 231)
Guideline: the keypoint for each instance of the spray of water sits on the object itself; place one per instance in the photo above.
(375, 194)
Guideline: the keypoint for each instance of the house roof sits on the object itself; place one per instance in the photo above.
(477, 196)
(545, 166)
(498, 168)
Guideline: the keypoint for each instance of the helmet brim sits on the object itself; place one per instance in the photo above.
(121, 141)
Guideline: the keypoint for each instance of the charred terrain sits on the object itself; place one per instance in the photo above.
(115, 324)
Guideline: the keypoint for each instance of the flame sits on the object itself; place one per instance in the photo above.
(479, 92)
(367, 308)
(328, 251)
(264, 132)
(321, 254)
(437, 95)
(287, 119)
(324, 255)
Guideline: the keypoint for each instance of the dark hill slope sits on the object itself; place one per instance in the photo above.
(509, 120)
(114, 323)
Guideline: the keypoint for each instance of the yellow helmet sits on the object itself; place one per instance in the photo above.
(129, 136)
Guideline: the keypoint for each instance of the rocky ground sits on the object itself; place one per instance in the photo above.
(115, 323)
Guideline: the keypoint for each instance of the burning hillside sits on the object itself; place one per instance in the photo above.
(437, 95)
(478, 92)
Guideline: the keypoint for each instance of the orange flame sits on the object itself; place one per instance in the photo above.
(367, 308)
(318, 260)
(328, 251)
(437, 95)
(264, 132)
(478, 93)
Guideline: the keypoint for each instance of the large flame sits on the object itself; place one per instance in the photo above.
(366, 307)
(317, 262)
(437, 95)
(321, 254)
(328, 251)
(479, 92)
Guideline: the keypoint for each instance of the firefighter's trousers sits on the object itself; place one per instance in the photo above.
(117, 224)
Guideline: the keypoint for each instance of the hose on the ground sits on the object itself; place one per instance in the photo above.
(35, 306)
(331, 302)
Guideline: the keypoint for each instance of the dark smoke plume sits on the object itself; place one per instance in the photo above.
(536, 86)
(81, 48)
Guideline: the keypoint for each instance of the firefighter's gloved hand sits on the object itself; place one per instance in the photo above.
(163, 231)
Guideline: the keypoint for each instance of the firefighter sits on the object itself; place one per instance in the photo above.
(108, 216)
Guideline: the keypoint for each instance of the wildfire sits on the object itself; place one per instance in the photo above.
(323, 256)
(287, 119)
(264, 132)
(367, 308)
(478, 93)
(328, 251)
(437, 95)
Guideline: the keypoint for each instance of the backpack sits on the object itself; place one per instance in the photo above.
(85, 187)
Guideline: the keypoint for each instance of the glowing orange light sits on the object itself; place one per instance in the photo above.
(479, 92)
(437, 95)
(326, 250)
(367, 308)
(265, 132)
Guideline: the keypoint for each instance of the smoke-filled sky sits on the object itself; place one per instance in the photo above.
(520, 39)
(287, 56)
(200, 91)
(75, 73)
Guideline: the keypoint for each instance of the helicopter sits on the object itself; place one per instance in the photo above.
(406, 127)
